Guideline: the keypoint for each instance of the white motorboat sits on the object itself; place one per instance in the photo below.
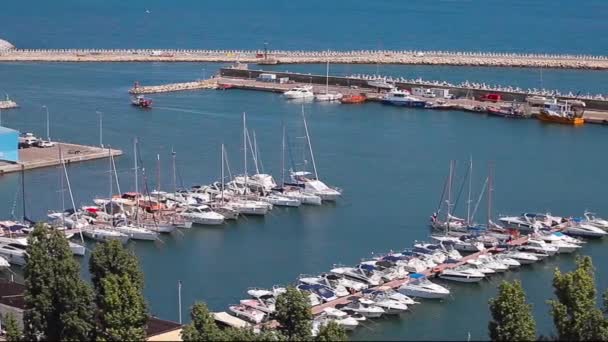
(136, 233)
(14, 253)
(302, 92)
(282, 201)
(338, 280)
(493, 263)
(258, 305)
(565, 247)
(480, 266)
(403, 98)
(522, 223)
(247, 313)
(259, 293)
(159, 226)
(419, 286)
(559, 236)
(536, 245)
(314, 186)
(303, 197)
(358, 275)
(584, 230)
(461, 245)
(596, 221)
(202, 215)
(341, 317)
(102, 234)
(505, 259)
(366, 308)
(390, 306)
(4, 264)
(462, 274)
(76, 249)
(258, 182)
(388, 292)
(339, 289)
(522, 257)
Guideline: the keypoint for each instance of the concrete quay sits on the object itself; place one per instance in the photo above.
(166, 88)
(291, 57)
(35, 157)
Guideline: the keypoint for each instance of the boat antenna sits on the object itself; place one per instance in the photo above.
(312, 156)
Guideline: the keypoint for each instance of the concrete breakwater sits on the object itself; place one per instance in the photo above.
(458, 91)
(165, 88)
(292, 57)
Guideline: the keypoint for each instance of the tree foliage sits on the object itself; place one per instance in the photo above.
(58, 304)
(331, 332)
(512, 318)
(13, 333)
(202, 327)
(294, 315)
(118, 282)
(575, 313)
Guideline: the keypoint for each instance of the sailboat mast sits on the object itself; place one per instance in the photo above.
(67, 179)
(327, 78)
(245, 149)
(115, 174)
(312, 156)
(222, 181)
(135, 166)
(470, 188)
(110, 183)
(283, 158)
(158, 172)
(23, 192)
(174, 172)
(490, 190)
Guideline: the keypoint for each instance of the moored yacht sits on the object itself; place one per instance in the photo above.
(462, 274)
(314, 186)
(398, 97)
(136, 233)
(202, 215)
(302, 92)
(14, 253)
(419, 286)
(101, 234)
(281, 201)
(247, 313)
(579, 228)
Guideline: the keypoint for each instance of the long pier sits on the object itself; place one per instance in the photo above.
(409, 57)
(172, 87)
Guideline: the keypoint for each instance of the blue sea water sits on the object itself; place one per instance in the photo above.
(486, 25)
(392, 162)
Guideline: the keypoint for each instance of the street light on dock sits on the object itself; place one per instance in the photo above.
(100, 128)
(48, 129)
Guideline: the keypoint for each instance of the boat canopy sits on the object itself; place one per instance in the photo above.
(417, 276)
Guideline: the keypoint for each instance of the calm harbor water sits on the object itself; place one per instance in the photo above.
(392, 162)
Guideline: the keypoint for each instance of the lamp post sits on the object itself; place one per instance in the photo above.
(48, 128)
(100, 128)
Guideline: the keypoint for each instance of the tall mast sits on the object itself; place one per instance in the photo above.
(449, 200)
(135, 165)
(115, 174)
(157, 172)
(67, 179)
(245, 149)
(110, 183)
(222, 174)
(283, 158)
(312, 156)
(174, 172)
(23, 192)
(470, 188)
(490, 190)
(327, 78)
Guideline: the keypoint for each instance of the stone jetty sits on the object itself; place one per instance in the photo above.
(411, 57)
(171, 87)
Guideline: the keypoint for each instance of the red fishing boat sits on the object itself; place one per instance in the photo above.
(141, 101)
(354, 98)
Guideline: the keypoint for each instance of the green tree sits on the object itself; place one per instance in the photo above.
(294, 315)
(511, 315)
(118, 282)
(58, 304)
(331, 332)
(13, 333)
(202, 327)
(575, 313)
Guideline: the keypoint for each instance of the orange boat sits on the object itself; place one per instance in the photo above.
(356, 98)
(560, 113)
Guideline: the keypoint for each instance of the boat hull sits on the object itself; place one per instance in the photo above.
(461, 279)
(561, 120)
(422, 294)
(413, 104)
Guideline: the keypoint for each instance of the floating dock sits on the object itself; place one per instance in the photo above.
(409, 57)
(35, 157)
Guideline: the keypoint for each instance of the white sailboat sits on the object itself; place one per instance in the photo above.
(327, 96)
(311, 184)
